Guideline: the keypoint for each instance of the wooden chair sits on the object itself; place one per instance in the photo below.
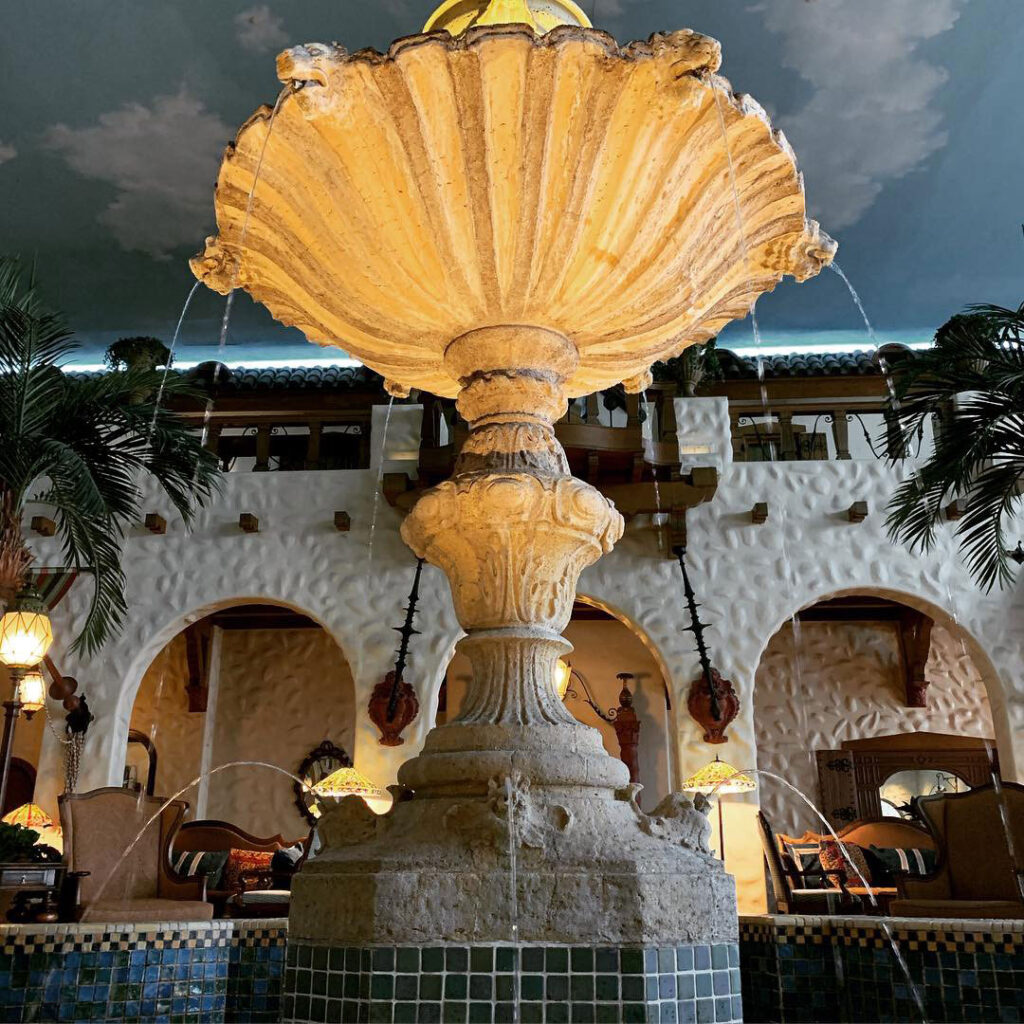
(796, 891)
(211, 835)
(140, 885)
(980, 870)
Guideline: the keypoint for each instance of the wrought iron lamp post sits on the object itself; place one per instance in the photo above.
(623, 719)
(25, 637)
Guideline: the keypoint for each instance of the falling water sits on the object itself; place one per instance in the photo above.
(513, 842)
(229, 302)
(881, 922)
(184, 789)
(170, 359)
(379, 486)
(650, 453)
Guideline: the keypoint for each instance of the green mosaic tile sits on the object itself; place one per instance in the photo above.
(556, 960)
(582, 960)
(455, 986)
(481, 960)
(407, 960)
(432, 959)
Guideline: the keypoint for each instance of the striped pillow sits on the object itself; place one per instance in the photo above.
(202, 862)
(909, 861)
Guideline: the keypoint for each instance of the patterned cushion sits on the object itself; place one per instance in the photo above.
(241, 866)
(890, 860)
(853, 865)
(805, 857)
(202, 862)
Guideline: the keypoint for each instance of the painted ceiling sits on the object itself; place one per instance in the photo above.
(905, 115)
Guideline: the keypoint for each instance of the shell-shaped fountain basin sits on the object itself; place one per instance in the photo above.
(621, 196)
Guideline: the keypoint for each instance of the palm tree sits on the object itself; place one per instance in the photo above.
(84, 442)
(972, 384)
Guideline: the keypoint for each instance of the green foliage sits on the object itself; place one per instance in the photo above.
(142, 351)
(16, 843)
(693, 366)
(86, 442)
(972, 383)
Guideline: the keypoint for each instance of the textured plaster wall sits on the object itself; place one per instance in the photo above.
(749, 578)
(843, 681)
(281, 693)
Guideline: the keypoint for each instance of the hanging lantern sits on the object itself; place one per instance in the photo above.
(25, 631)
(31, 692)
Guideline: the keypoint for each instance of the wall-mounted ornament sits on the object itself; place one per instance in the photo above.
(393, 702)
(699, 704)
(712, 701)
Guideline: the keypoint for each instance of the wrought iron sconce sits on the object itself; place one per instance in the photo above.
(623, 719)
(393, 703)
(712, 701)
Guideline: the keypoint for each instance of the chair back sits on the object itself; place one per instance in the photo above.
(887, 833)
(780, 880)
(982, 827)
(99, 826)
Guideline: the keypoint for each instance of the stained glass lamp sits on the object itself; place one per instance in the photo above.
(350, 782)
(34, 817)
(717, 779)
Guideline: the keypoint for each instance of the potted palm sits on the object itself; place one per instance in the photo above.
(971, 384)
(80, 445)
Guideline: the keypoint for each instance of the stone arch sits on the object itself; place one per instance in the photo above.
(669, 723)
(133, 675)
(995, 687)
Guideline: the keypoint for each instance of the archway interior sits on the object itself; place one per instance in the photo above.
(254, 682)
(603, 647)
(841, 675)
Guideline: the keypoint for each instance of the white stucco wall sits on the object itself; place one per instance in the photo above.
(749, 578)
(844, 681)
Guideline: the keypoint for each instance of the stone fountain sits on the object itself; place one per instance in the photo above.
(512, 209)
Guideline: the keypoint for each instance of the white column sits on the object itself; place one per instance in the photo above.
(209, 722)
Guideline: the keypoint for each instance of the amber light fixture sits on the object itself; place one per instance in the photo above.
(351, 782)
(717, 779)
(31, 692)
(563, 673)
(25, 631)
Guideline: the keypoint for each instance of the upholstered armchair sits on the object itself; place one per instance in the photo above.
(98, 827)
(980, 869)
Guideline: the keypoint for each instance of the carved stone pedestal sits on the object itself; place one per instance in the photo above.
(513, 825)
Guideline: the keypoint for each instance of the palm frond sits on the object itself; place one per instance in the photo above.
(971, 384)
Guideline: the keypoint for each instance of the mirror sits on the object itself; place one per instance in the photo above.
(320, 762)
(900, 790)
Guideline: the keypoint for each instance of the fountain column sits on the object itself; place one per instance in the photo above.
(512, 530)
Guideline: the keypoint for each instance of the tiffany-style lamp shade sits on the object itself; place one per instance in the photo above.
(350, 782)
(715, 779)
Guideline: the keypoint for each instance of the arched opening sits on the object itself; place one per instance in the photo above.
(245, 682)
(859, 687)
(605, 647)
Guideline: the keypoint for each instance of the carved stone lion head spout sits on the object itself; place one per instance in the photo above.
(309, 63)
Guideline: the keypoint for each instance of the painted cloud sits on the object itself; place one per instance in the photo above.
(871, 116)
(162, 159)
(259, 30)
(7, 152)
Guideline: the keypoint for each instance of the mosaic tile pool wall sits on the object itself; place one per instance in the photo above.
(460, 984)
(812, 969)
(195, 972)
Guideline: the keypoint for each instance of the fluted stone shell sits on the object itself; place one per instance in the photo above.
(500, 178)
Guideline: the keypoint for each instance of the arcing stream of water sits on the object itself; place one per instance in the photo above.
(881, 922)
(156, 815)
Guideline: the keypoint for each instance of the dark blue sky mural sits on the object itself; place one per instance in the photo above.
(905, 114)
